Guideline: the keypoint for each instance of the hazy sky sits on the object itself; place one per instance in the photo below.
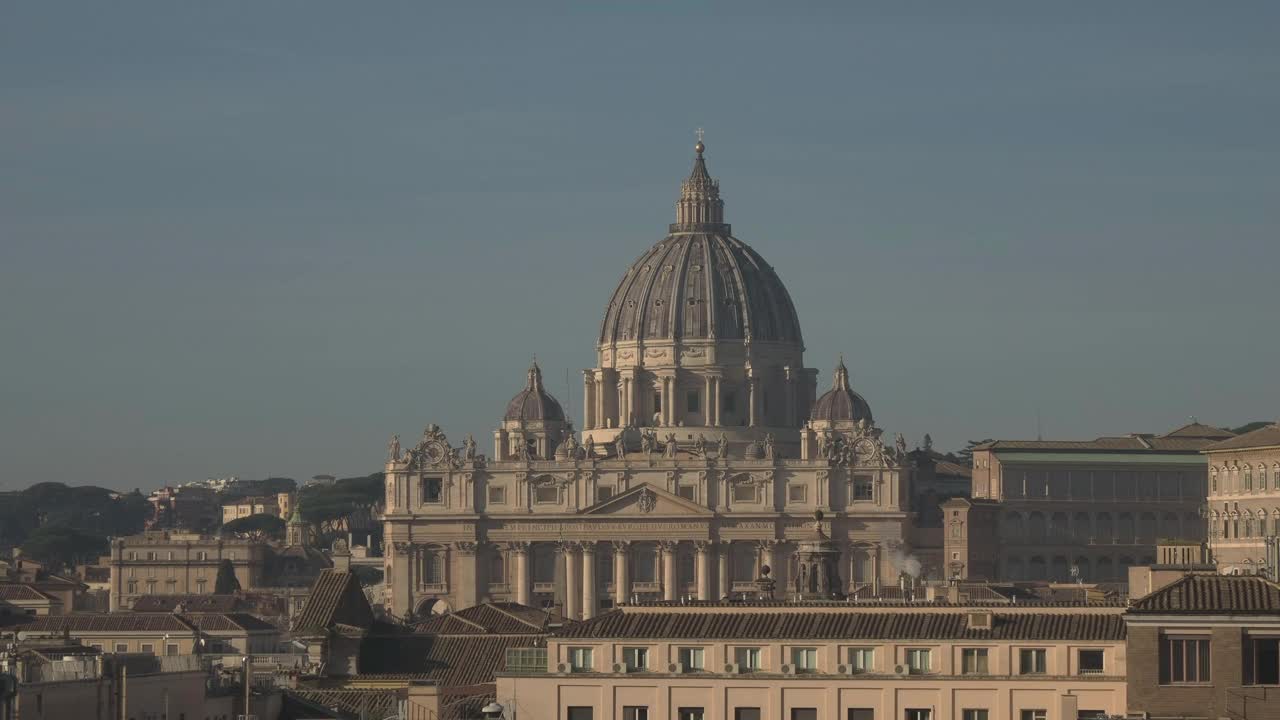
(257, 238)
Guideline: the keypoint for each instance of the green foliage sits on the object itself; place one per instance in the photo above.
(59, 546)
(367, 575)
(270, 486)
(1250, 427)
(965, 455)
(226, 583)
(322, 503)
(88, 509)
(256, 526)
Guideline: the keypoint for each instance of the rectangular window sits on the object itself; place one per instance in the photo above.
(635, 658)
(917, 714)
(1184, 660)
(1262, 661)
(635, 712)
(581, 659)
(691, 658)
(862, 660)
(862, 714)
(797, 493)
(691, 401)
(604, 492)
(580, 712)
(746, 713)
(546, 494)
(686, 491)
(498, 495)
(147, 648)
(730, 403)
(1033, 715)
(973, 661)
(974, 714)
(1091, 662)
(132, 586)
(689, 713)
(747, 659)
(862, 487)
(97, 646)
(919, 660)
(1031, 661)
(431, 490)
(122, 647)
(744, 493)
(804, 713)
(657, 403)
(805, 660)
(171, 649)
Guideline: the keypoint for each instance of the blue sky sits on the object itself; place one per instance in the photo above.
(257, 238)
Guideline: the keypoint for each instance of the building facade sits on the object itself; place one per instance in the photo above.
(179, 563)
(1244, 499)
(808, 661)
(1087, 509)
(704, 454)
(1206, 646)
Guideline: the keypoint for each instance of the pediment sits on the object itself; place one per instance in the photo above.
(645, 499)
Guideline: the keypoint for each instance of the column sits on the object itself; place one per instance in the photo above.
(463, 581)
(668, 400)
(724, 555)
(598, 397)
(627, 414)
(752, 402)
(588, 401)
(521, 552)
(572, 588)
(401, 579)
(702, 548)
(621, 573)
(668, 550)
(875, 570)
(588, 580)
(714, 401)
(708, 412)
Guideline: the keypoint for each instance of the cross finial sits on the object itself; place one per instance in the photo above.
(699, 134)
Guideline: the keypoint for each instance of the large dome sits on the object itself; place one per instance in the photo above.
(700, 282)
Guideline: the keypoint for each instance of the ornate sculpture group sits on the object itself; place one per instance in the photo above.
(862, 447)
(433, 450)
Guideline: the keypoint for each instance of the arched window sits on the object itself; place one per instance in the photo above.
(1036, 527)
(1105, 570)
(1082, 566)
(744, 562)
(1038, 569)
(1125, 529)
(684, 565)
(1169, 527)
(1013, 527)
(1083, 528)
(497, 569)
(431, 565)
(1105, 532)
(1147, 527)
(1248, 526)
(1058, 527)
(1248, 479)
(1060, 569)
(1213, 482)
(1013, 569)
(862, 565)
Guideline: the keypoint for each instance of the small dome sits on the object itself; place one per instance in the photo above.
(534, 403)
(841, 403)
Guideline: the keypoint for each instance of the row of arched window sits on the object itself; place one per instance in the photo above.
(1232, 524)
(1100, 528)
(1243, 478)
(1058, 567)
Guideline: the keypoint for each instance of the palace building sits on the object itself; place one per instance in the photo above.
(705, 454)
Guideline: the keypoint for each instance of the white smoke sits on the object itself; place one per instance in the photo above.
(908, 564)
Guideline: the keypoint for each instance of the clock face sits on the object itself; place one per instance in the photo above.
(433, 452)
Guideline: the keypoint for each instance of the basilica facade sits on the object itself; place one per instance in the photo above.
(705, 462)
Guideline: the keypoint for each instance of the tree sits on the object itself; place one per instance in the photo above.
(1250, 427)
(257, 527)
(226, 583)
(57, 546)
(965, 456)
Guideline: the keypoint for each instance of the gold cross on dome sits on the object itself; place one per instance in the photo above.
(699, 134)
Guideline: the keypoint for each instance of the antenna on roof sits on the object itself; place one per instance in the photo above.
(1039, 434)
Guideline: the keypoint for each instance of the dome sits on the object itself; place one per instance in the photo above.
(534, 403)
(841, 403)
(700, 282)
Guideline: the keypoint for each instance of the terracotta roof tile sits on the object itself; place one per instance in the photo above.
(854, 623)
(192, 603)
(1268, 436)
(452, 661)
(17, 592)
(335, 597)
(228, 622)
(1213, 595)
(109, 622)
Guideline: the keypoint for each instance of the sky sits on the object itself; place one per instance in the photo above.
(258, 238)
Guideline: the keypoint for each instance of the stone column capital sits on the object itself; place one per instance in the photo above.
(466, 547)
(667, 547)
(519, 546)
(620, 546)
(704, 546)
(587, 547)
